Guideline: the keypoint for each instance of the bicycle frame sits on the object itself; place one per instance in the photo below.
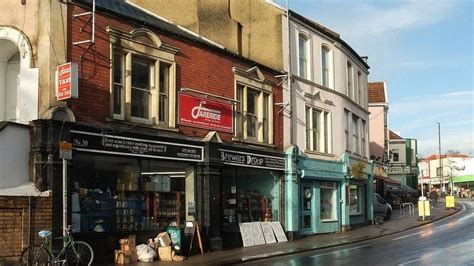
(68, 242)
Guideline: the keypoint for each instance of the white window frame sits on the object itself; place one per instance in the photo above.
(327, 68)
(346, 130)
(358, 88)
(350, 80)
(143, 45)
(328, 185)
(363, 138)
(304, 57)
(355, 135)
(264, 93)
(323, 130)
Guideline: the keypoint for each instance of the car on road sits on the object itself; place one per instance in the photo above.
(381, 207)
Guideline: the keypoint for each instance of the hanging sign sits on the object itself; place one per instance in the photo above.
(204, 113)
(66, 81)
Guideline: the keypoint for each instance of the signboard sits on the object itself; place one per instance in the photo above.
(396, 170)
(268, 233)
(246, 232)
(65, 150)
(204, 113)
(258, 238)
(252, 160)
(66, 81)
(279, 233)
(109, 144)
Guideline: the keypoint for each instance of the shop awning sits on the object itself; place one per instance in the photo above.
(26, 189)
(387, 179)
(462, 179)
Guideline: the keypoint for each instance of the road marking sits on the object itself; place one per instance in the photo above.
(466, 217)
(437, 252)
(342, 250)
(402, 237)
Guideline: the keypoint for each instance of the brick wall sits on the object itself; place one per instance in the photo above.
(14, 220)
(198, 67)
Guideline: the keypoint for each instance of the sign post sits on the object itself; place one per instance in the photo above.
(65, 153)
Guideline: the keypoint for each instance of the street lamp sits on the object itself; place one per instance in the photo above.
(439, 152)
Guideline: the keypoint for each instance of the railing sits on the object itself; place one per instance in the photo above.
(411, 208)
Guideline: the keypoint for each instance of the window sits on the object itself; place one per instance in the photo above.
(396, 156)
(350, 93)
(328, 203)
(317, 130)
(142, 78)
(355, 200)
(363, 137)
(346, 130)
(326, 67)
(253, 112)
(355, 135)
(303, 56)
(358, 84)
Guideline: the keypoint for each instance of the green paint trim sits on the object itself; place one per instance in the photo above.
(466, 178)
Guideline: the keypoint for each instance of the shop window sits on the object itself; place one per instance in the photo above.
(317, 130)
(253, 112)
(142, 78)
(328, 204)
(355, 200)
(115, 194)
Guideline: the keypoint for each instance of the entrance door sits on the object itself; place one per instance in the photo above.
(307, 207)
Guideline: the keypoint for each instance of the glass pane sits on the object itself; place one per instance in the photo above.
(140, 74)
(239, 111)
(316, 126)
(251, 102)
(324, 57)
(326, 132)
(302, 47)
(306, 221)
(354, 200)
(163, 111)
(308, 128)
(140, 103)
(118, 68)
(117, 91)
(327, 203)
(251, 126)
(164, 78)
(325, 78)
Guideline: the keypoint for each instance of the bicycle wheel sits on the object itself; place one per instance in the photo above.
(79, 254)
(35, 255)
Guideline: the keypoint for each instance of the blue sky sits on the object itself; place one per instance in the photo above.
(423, 50)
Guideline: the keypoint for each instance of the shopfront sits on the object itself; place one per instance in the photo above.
(319, 196)
(359, 194)
(250, 190)
(129, 185)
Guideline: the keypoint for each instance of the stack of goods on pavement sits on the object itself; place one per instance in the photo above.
(127, 252)
(165, 247)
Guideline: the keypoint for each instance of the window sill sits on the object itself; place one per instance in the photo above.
(137, 124)
(355, 214)
(329, 220)
(253, 142)
(319, 153)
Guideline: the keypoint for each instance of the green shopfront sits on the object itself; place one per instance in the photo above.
(314, 196)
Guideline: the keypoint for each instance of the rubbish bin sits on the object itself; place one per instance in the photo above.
(175, 235)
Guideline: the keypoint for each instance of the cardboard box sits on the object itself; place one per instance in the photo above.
(165, 253)
(132, 241)
(124, 244)
(133, 256)
(163, 239)
(178, 258)
(122, 257)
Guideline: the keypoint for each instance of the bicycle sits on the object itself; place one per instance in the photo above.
(72, 253)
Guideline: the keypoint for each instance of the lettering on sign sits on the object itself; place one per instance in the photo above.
(66, 81)
(252, 160)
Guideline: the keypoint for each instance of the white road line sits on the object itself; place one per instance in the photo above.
(438, 252)
(466, 217)
(342, 250)
(402, 237)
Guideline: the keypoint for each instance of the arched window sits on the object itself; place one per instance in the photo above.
(303, 56)
(326, 66)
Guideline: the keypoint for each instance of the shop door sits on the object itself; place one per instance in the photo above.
(307, 208)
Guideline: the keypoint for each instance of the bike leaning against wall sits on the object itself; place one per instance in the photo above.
(72, 253)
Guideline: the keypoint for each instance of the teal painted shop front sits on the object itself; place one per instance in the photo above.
(314, 196)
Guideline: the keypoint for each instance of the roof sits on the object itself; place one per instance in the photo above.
(436, 156)
(329, 33)
(392, 135)
(376, 91)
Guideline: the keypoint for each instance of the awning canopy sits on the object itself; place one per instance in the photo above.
(387, 180)
(462, 179)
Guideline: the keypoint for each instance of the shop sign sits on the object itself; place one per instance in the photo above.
(396, 170)
(109, 144)
(66, 81)
(252, 160)
(204, 113)
(65, 150)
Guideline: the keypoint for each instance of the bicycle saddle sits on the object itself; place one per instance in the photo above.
(44, 233)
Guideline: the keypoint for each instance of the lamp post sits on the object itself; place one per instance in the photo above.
(439, 152)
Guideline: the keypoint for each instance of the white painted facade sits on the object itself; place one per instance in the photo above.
(332, 99)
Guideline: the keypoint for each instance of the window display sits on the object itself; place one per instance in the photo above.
(120, 194)
(355, 200)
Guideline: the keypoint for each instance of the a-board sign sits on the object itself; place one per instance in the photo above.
(258, 238)
(246, 231)
(192, 237)
(279, 233)
(268, 233)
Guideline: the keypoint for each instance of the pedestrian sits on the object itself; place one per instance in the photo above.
(389, 197)
(433, 197)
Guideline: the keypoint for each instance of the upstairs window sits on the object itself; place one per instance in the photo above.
(317, 130)
(346, 130)
(142, 78)
(349, 85)
(303, 56)
(358, 84)
(355, 135)
(326, 66)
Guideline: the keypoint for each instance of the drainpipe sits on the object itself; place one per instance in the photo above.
(29, 221)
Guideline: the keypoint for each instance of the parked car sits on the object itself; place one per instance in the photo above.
(381, 207)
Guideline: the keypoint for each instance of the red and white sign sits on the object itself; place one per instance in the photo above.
(66, 81)
(204, 113)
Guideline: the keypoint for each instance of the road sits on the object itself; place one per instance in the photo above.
(448, 241)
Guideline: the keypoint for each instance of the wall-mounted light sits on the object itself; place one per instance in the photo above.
(23, 2)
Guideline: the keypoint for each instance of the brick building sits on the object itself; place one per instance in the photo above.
(168, 127)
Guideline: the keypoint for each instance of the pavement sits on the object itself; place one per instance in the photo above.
(399, 222)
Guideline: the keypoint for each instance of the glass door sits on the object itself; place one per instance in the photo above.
(307, 205)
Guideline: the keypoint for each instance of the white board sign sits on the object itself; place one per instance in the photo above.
(268, 233)
(279, 233)
(246, 232)
(258, 238)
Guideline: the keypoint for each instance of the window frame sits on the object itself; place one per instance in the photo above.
(346, 129)
(332, 186)
(350, 80)
(355, 134)
(322, 131)
(303, 38)
(325, 50)
(363, 138)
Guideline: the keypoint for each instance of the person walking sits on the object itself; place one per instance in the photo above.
(433, 197)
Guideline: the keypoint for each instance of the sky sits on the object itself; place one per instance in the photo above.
(423, 50)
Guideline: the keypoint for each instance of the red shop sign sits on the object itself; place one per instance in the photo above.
(66, 81)
(204, 113)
